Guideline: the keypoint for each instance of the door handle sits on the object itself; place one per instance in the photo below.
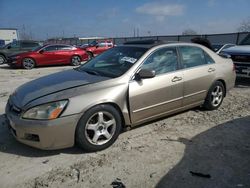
(211, 70)
(176, 78)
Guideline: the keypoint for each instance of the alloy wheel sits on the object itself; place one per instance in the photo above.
(217, 95)
(75, 60)
(100, 128)
(28, 63)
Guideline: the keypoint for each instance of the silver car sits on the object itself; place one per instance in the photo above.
(123, 87)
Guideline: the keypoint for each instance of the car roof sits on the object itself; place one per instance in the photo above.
(153, 43)
(58, 45)
(147, 43)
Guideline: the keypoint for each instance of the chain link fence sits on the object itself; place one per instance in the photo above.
(234, 38)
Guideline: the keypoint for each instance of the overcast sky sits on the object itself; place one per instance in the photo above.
(116, 18)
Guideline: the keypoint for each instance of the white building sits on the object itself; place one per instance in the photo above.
(8, 35)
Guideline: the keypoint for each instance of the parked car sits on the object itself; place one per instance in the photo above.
(17, 47)
(123, 87)
(241, 57)
(55, 54)
(97, 47)
(219, 47)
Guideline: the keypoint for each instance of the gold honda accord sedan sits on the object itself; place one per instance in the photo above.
(125, 86)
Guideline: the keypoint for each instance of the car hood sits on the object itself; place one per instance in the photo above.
(51, 84)
(242, 49)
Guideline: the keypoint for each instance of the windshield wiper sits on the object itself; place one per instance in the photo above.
(91, 72)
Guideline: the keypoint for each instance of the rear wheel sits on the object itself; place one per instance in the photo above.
(75, 60)
(28, 63)
(215, 96)
(2, 59)
(98, 128)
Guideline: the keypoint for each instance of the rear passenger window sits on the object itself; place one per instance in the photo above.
(208, 58)
(194, 56)
(63, 47)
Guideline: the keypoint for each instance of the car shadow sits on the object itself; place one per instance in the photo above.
(218, 157)
(242, 82)
(8, 144)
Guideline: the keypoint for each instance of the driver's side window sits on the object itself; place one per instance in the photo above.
(50, 49)
(162, 61)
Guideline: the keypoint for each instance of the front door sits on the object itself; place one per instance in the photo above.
(150, 98)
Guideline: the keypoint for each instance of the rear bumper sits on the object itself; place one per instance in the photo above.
(44, 134)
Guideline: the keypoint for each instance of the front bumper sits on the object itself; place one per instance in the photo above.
(15, 63)
(43, 134)
(242, 69)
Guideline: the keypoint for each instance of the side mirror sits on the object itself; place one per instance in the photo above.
(41, 51)
(144, 74)
(9, 47)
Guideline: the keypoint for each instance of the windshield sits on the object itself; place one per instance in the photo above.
(113, 62)
(37, 48)
(246, 40)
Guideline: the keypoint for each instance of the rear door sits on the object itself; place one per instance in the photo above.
(199, 71)
(156, 96)
(64, 54)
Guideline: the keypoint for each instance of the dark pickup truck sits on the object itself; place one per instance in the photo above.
(240, 55)
(17, 47)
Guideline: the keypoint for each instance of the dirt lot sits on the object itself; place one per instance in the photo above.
(160, 154)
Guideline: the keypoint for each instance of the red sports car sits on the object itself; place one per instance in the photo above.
(53, 54)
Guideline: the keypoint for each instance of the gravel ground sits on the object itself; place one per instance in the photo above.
(171, 152)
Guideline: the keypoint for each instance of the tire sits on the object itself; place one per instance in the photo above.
(90, 55)
(2, 59)
(28, 63)
(215, 96)
(98, 128)
(75, 60)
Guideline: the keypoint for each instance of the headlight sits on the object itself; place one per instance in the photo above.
(46, 111)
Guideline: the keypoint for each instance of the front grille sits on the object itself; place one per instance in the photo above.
(241, 58)
(241, 64)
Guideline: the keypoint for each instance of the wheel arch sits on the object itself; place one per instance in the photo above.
(113, 104)
(2, 54)
(116, 106)
(77, 56)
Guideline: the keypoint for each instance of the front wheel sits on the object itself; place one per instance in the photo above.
(75, 60)
(28, 63)
(98, 128)
(215, 96)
